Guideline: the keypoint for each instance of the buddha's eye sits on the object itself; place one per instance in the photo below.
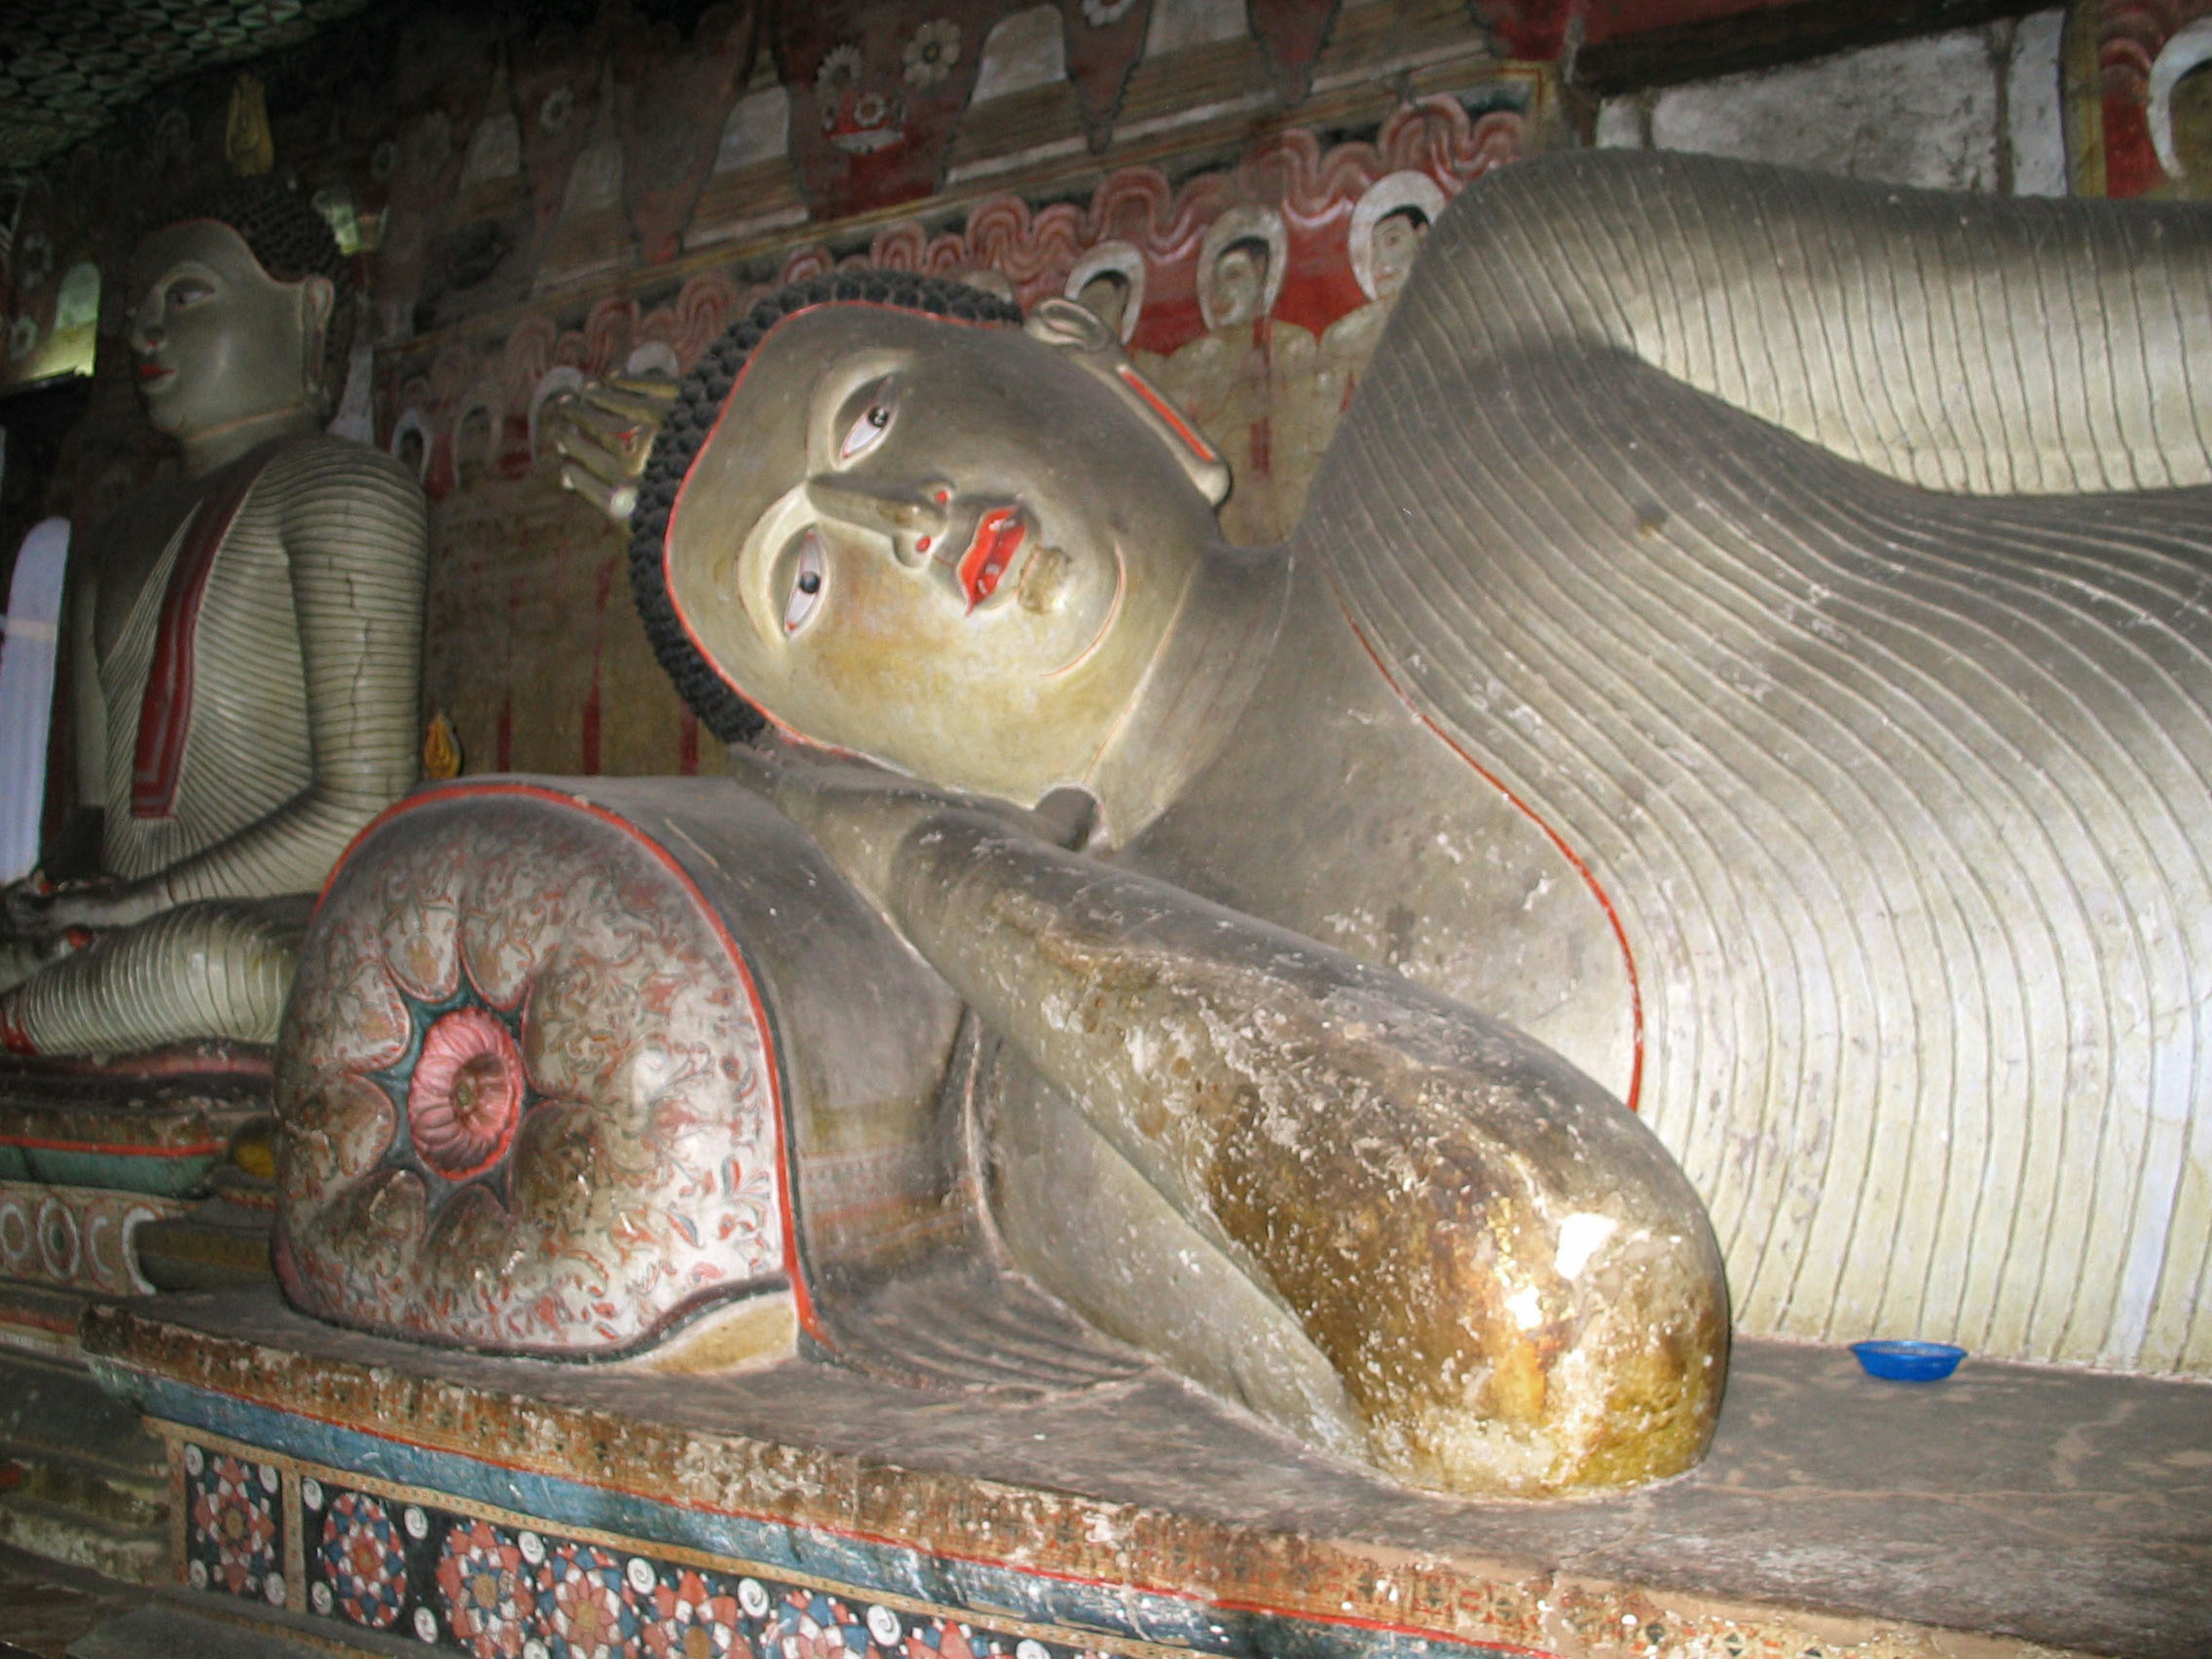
(874, 421)
(808, 575)
(187, 291)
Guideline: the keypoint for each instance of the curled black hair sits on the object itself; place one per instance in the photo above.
(291, 242)
(698, 404)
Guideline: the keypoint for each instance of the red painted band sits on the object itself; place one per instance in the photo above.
(1167, 412)
(1574, 859)
(165, 710)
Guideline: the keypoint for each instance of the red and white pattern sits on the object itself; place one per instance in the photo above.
(588, 1609)
(234, 1524)
(694, 1619)
(641, 1059)
(501, 1590)
(362, 1560)
(1314, 188)
(490, 1604)
(77, 1237)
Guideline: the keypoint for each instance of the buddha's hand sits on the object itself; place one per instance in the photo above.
(605, 432)
(37, 911)
(1516, 1289)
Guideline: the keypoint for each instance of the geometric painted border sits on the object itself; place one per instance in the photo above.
(484, 1581)
(472, 1579)
(77, 1238)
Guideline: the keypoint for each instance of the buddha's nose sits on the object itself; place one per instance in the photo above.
(914, 516)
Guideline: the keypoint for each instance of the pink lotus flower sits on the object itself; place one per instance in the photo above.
(465, 1097)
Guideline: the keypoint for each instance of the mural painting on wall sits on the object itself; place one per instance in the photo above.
(2140, 91)
(1238, 189)
(1262, 280)
(529, 207)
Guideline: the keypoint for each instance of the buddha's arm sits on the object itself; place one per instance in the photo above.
(1492, 1254)
(355, 539)
(1970, 344)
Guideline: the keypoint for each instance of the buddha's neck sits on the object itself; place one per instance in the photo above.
(218, 447)
(1197, 686)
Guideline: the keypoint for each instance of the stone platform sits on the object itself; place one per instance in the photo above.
(332, 1486)
(157, 1124)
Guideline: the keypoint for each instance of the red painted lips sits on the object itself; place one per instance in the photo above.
(998, 538)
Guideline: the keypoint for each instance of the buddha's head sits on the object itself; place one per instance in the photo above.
(1240, 281)
(1240, 264)
(240, 312)
(1388, 225)
(899, 522)
(1398, 238)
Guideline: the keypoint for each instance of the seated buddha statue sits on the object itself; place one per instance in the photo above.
(246, 645)
(1698, 824)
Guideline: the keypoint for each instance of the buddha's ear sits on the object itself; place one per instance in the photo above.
(318, 300)
(1077, 331)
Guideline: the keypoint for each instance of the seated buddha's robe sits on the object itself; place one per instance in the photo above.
(254, 708)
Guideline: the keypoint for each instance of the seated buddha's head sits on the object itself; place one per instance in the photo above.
(240, 313)
(899, 524)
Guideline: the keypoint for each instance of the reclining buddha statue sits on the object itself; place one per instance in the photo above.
(1739, 689)
(246, 648)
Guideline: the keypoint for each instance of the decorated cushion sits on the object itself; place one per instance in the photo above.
(527, 1089)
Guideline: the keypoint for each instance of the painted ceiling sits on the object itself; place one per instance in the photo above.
(67, 65)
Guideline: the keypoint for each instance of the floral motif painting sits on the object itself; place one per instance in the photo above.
(499, 986)
(463, 1584)
(488, 1594)
(231, 1541)
(363, 1561)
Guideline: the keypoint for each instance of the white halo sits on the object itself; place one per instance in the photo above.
(2188, 47)
(1245, 222)
(1393, 192)
(562, 377)
(410, 420)
(1122, 259)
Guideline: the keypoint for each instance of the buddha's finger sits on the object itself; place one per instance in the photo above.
(634, 401)
(618, 502)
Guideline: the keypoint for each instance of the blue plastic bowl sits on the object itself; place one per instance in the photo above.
(1909, 1362)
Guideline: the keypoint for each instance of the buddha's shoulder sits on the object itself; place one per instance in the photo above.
(323, 462)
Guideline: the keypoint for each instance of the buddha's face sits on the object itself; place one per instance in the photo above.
(1398, 238)
(217, 341)
(949, 547)
(1240, 283)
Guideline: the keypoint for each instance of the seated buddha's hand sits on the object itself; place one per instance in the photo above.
(605, 432)
(36, 910)
(23, 906)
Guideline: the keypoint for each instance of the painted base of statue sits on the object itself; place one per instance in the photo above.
(338, 1489)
